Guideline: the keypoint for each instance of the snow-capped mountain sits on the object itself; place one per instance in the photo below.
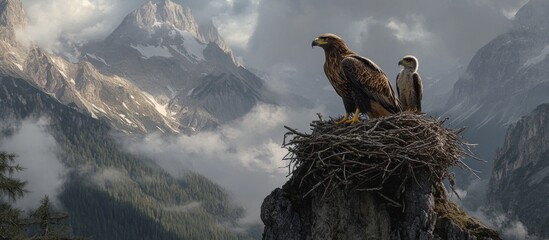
(159, 70)
(184, 65)
(509, 76)
(78, 85)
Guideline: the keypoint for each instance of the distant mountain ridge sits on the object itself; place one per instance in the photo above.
(505, 80)
(508, 77)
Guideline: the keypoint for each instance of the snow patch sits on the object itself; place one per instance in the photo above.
(125, 118)
(60, 64)
(63, 73)
(124, 104)
(149, 51)
(537, 59)
(98, 108)
(97, 58)
(72, 81)
(161, 108)
(192, 46)
(18, 66)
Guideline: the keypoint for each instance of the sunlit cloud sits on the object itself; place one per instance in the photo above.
(244, 157)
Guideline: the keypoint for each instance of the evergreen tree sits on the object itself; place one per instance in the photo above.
(47, 223)
(10, 188)
(44, 223)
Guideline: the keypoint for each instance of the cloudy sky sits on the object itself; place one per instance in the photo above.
(274, 39)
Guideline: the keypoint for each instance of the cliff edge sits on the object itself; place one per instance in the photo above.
(379, 179)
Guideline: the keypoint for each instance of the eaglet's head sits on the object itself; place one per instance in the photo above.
(328, 40)
(409, 62)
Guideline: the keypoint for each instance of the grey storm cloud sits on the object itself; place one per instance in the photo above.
(444, 35)
(452, 29)
(273, 33)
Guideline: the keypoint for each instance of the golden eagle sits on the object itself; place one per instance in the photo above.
(361, 84)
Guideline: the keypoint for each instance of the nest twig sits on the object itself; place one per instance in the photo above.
(364, 156)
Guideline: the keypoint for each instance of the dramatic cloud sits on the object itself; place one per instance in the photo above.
(274, 35)
(443, 34)
(36, 151)
(244, 157)
(235, 19)
(53, 24)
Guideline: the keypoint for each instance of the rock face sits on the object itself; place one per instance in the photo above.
(12, 17)
(518, 186)
(162, 49)
(428, 214)
(378, 179)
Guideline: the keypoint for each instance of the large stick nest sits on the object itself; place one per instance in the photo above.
(368, 155)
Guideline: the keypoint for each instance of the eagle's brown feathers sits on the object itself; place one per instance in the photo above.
(358, 80)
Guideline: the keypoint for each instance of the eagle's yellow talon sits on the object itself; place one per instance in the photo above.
(355, 117)
(353, 120)
(343, 119)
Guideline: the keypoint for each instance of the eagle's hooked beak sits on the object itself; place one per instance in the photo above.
(400, 63)
(318, 42)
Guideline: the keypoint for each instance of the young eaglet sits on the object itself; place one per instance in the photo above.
(409, 86)
(361, 84)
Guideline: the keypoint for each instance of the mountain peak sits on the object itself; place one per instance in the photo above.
(165, 24)
(533, 16)
(151, 15)
(208, 33)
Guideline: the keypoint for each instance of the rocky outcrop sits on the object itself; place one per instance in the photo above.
(397, 195)
(428, 214)
(518, 186)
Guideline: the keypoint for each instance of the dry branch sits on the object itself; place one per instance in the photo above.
(365, 156)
